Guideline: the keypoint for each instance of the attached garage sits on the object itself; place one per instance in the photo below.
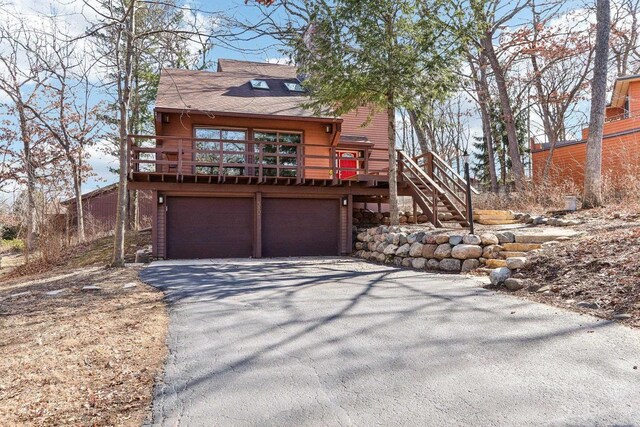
(300, 227)
(209, 227)
(242, 227)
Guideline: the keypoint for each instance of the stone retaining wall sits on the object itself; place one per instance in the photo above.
(426, 250)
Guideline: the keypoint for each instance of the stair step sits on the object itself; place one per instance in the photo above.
(495, 263)
(509, 254)
(521, 247)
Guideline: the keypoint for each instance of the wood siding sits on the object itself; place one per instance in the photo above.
(100, 210)
(620, 154)
(182, 125)
(620, 158)
(376, 132)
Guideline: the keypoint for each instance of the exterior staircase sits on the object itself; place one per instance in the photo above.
(440, 192)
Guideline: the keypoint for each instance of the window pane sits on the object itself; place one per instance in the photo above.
(208, 133)
(235, 135)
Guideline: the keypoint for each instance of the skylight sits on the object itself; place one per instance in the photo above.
(294, 86)
(259, 84)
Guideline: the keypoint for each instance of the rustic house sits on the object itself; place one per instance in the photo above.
(239, 168)
(620, 154)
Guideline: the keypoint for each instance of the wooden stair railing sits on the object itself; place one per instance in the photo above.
(431, 191)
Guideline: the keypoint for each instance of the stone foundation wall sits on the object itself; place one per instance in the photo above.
(426, 250)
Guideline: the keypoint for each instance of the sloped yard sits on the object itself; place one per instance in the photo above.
(70, 356)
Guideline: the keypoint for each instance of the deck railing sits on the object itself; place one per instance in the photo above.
(222, 158)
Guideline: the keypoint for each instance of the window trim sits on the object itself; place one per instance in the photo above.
(251, 82)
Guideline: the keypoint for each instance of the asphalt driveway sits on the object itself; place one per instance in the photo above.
(342, 342)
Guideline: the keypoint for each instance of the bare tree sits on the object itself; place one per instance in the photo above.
(592, 196)
(487, 16)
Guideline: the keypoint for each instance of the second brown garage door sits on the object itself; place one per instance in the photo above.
(300, 227)
(209, 227)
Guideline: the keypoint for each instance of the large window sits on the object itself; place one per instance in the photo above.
(279, 153)
(210, 143)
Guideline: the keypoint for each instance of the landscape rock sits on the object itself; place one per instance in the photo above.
(499, 275)
(381, 257)
(415, 237)
(419, 263)
(515, 263)
(415, 249)
(489, 239)
(450, 264)
(506, 237)
(495, 263)
(491, 251)
(403, 250)
(55, 293)
(442, 251)
(513, 284)
(429, 239)
(397, 261)
(471, 239)
(390, 249)
(587, 304)
(407, 262)
(433, 264)
(543, 289)
(465, 251)
(622, 316)
(91, 288)
(470, 265)
(428, 250)
(20, 294)
(442, 238)
(359, 245)
(455, 240)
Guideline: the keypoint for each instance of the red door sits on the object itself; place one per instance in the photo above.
(347, 160)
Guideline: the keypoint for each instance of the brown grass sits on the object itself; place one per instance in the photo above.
(82, 357)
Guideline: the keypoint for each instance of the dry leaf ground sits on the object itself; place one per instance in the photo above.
(80, 357)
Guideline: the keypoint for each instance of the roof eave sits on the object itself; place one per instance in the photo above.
(250, 115)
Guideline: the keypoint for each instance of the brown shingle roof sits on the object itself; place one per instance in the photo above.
(229, 90)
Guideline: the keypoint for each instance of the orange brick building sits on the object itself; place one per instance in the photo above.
(620, 154)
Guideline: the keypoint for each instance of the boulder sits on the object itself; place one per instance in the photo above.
(415, 237)
(506, 237)
(499, 275)
(491, 251)
(433, 264)
(390, 249)
(415, 249)
(362, 236)
(450, 264)
(380, 247)
(403, 250)
(407, 262)
(419, 263)
(359, 245)
(489, 239)
(402, 239)
(397, 261)
(455, 240)
(466, 251)
(470, 264)
(429, 239)
(471, 239)
(513, 284)
(442, 251)
(515, 263)
(381, 257)
(442, 238)
(428, 250)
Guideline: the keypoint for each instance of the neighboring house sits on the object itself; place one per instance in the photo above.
(620, 154)
(239, 168)
(99, 207)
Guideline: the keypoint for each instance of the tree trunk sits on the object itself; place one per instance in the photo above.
(415, 123)
(124, 94)
(507, 112)
(593, 166)
(77, 189)
(482, 90)
(393, 162)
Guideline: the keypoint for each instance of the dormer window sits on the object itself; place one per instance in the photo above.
(294, 86)
(259, 84)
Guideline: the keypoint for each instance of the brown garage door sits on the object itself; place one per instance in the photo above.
(300, 227)
(209, 227)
